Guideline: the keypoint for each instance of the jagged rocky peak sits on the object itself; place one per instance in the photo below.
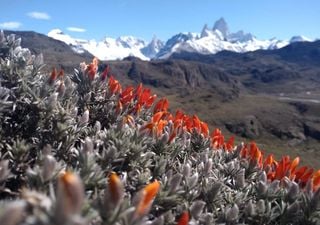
(156, 42)
(152, 49)
(222, 26)
(130, 41)
(208, 41)
(205, 31)
(240, 36)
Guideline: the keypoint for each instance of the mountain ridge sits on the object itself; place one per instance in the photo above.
(208, 41)
(51, 49)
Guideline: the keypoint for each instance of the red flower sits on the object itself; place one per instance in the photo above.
(229, 145)
(179, 115)
(127, 95)
(114, 86)
(204, 129)
(138, 91)
(61, 73)
(53, 76)
(270, 161)
(156, 117)
(294, 164)
(150, 101)
(144, 96)
(162, 105)
(92, 68)
(184, 219)
(196, 123)
(316, 180)
(217, 139)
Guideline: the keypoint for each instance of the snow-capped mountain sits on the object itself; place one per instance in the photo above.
(299, 39)
(76, 44)
(107, 49)
(152, 49)
(209, 41)
(113, 49)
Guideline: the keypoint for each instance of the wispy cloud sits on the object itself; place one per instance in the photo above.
(76, 29)
(39, 15)
(10, 25)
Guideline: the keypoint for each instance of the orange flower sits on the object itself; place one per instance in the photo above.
(160, 125)
(151, 191)
(127, 91)
(244, 151)
(148, 194)
(70, 194)
(294, 165)
(127, 96)
(138, 91)
(148, 126)
(115, 188)
(156, 117)
(128, 119)
(150, 101)
(137, 108)
(156, 125)
(281, 169)
(144, 96)
(196, 123)
(177, 123)
(270, 161)
(300, 172)
(126, 99)
(255, 154)
(179, 115)
(61, 73)
(92, 68)
(188, 123)
(53, 76)
(229, 145)
(204, 129)
(217, 139)
(184, 219)
(114, 86)
(170, 117)
(316, 180)
(307, 176)
(162, 105)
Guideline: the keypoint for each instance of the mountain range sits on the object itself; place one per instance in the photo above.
(208, 41)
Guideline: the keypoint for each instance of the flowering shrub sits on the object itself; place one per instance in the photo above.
(82, 149)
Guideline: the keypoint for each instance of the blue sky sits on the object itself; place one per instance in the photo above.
(95, 19)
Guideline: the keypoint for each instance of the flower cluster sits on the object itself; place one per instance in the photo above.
(81, 149)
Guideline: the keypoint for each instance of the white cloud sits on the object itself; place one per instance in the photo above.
(10, 25)
(39, 15)
(76, 29)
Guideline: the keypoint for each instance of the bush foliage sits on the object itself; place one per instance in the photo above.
(81, 149)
